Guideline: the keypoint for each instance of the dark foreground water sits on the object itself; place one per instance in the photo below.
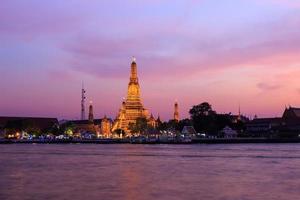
(124, 171)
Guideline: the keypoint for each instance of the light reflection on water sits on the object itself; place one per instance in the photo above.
(124, 171)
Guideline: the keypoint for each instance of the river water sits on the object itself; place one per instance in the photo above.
(129, 172)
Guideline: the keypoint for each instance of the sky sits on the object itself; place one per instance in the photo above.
(228, 53)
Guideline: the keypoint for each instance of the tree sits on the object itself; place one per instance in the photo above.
(13, 126)
(67, 128)
(203, 118)
(240, 126)
(172, 125)
(33, 131)
(55, 130)
(162, 126)
(178, 125)
(223, 120)
(29, 126)
(140, 126)
(203, 109)
(120, 132)
(182, 123)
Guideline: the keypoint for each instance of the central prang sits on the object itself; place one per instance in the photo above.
(132, 108)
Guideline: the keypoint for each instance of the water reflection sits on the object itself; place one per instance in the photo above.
(150, 171)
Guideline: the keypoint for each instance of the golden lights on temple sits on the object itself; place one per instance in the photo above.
(131, 109)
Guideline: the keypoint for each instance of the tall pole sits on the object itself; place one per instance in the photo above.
(176, 112)
(83, 102)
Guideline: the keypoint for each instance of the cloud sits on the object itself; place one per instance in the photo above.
(31, 19)
(268, 87)
(183, 54)
(287, 3)
(179, 48)
(60, 75)
(165, 47)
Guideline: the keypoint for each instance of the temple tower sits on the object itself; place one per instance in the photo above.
(91, 112)
(152, 122)
(132, 108)
(106, 127)
(176, 112)
(133, 100)
(239, 115)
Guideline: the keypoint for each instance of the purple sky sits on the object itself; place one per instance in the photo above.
(227, 52)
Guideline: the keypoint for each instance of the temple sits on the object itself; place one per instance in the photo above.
(176, 112)
(97, 127)
(91, 112)
(132, 107)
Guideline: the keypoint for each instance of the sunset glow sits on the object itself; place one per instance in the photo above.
(228, 53)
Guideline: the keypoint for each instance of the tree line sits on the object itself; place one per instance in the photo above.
(202, 117)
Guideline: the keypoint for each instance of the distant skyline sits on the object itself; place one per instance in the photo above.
(227, 53)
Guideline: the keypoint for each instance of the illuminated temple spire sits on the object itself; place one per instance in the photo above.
(176, 112)
(132, 108)
(133, 72)
(239, 115)
(133, 93)
(91, 113)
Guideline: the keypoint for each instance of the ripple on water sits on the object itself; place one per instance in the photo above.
(124, 171)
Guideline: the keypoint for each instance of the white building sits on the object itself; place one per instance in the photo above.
(229, 132)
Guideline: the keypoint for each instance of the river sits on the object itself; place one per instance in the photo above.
(133, 172)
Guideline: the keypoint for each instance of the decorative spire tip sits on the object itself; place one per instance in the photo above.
(133, 59)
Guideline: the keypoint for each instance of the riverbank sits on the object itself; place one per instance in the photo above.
(246, 140)
(128, 141)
